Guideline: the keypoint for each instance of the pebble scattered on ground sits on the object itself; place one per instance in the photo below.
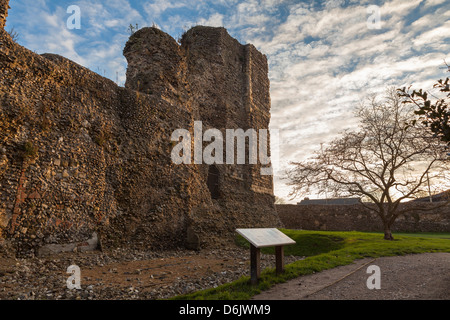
(125, 274)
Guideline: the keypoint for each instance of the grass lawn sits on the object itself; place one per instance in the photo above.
(324, 250)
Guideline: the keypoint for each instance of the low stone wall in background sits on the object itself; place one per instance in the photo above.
(359, 218)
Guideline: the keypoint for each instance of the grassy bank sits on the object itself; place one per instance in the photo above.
(325, 250)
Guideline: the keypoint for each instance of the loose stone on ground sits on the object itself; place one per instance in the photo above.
(125, 274)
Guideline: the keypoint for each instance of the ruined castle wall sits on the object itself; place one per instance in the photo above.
(53, 180)
(217, 77)
(162, 66)
(157, 66)
(214, 70)
(80, 155)
(235, 96)
(215, 62)
(4, 6)
(259, 111)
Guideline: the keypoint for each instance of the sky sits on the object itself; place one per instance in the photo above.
(325, 57)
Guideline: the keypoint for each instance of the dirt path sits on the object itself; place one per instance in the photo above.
(421, 276)
(124, 274)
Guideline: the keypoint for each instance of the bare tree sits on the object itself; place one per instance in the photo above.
(386, 160)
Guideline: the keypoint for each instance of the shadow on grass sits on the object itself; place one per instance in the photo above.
(323, 250)
(306, 244)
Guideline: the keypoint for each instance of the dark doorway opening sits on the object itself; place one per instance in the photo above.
(213, 182)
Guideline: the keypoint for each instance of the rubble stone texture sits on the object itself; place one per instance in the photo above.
(3, 12)
(80, 155)
(426, 217)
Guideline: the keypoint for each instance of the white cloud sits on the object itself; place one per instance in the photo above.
(215, 20)
(315, 86)
(155, 8)
(432, 37)
(429, 3)
(322, 57)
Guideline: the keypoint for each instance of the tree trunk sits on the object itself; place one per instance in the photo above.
(388, 233)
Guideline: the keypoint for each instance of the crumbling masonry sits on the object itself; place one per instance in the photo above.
(80, 155)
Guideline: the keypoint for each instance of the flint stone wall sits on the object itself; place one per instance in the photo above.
(82, 158)
(359, 218)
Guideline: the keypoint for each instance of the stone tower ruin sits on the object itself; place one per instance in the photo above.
(82, 156)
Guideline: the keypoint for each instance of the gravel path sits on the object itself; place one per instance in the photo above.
(412, 277)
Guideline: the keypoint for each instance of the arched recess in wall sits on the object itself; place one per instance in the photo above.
(213, 182)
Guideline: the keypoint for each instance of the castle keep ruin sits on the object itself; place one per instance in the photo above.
(80, 155)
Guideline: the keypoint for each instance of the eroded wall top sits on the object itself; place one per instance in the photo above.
(3, 12)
